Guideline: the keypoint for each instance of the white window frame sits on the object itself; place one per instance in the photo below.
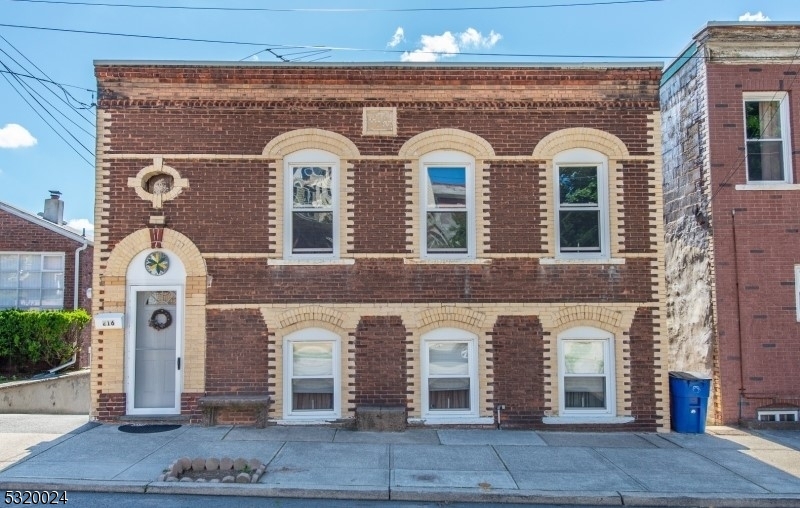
(444, 159)
(580, 157)
(797, 291)
(450, 335)
(588, 333)
(311, 335)
(42, 270)
(786, 138)
(310, 157)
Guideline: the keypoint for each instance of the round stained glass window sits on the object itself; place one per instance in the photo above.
(156, 263)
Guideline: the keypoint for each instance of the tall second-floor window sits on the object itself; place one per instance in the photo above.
(311, 212)
(448, 206)
(32, 280)
(766, 118)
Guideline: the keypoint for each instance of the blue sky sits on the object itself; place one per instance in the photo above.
(33, 159)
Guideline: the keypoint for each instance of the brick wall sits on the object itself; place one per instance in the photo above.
(380, 373)
(212, 125)
(518, 346)
(236, 353)
(767, 246)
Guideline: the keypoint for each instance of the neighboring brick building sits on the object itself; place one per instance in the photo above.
(38, 268)
(477, 244)
(732, 213)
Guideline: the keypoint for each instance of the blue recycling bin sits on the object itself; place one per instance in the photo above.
(688, 402)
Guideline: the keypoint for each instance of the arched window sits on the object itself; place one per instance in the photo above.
(581, 197)
(311, 372)
(586, 372)
(311, 205)
(447, 196)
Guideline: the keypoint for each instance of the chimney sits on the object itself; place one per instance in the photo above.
(54, 208)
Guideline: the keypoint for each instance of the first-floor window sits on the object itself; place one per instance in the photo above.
(450, 373)
(586, 371)
(312, 374)
(32, 280)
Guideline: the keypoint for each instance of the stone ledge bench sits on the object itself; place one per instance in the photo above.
(211, 403)
(381, 418)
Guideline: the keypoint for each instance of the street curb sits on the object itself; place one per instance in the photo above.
(76, 485)
(717, 500)
(267, 490)
(609, 498)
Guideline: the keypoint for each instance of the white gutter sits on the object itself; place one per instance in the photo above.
(75, 300)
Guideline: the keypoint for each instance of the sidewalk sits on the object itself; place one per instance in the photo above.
(724, 467)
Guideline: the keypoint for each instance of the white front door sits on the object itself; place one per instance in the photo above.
(154, 358)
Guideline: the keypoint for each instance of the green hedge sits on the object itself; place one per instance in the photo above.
(29, 338)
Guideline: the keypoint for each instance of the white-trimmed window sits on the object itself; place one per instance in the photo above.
(448, 205)
(581, 195)
(311, 210)
(450, 374)
(32, 280)
(311, 374)
(766, 121)
(586, 372)
(797, 291)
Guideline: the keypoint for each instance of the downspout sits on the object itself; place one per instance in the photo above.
(738, 314)
(75, 299)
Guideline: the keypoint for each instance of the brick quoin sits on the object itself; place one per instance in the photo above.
(212, 124)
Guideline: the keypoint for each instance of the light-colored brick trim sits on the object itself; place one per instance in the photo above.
(111, 294)
(446, 139)
(139, 182)
(316, 313)
(302, 139)
(458, 317)
(580, 137)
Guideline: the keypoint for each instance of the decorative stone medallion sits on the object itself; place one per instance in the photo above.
(380, 122)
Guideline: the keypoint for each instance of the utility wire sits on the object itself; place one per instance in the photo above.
(78, 111)
(33, 91)
(67, 95)
(337, 48)
(29, 76)
(44, 119)
(342, 10)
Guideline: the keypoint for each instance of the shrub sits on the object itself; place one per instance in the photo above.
(30, 338)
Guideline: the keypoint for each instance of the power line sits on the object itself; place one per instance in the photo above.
(66, 93)
(29, 76)
(341, 10)
(43, 118)
(341, 48)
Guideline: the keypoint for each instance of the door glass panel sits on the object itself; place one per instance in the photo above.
(156, 344)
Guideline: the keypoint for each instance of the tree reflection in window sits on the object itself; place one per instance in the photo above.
(447, 209)
(312, 209)
(579, 209)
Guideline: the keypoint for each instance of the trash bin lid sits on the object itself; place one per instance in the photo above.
(688, 376)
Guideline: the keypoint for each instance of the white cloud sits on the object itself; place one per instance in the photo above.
(15, 136)
(447, 45)
(81, 225)
(758, 16)
(398, 37)
(254, 58)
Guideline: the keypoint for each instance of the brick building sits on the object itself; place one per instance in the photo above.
(732, 214)
(474, 244)
(43, 264)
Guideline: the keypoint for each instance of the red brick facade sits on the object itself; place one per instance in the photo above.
(211, 125)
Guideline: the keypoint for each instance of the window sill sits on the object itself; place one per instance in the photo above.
(769, 186)
(417, 261)
(579, 261)
(309, 262)
(453, 420)
(575, 420)
(322, 420)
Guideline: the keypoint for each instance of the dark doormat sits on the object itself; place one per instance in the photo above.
(147, 429)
